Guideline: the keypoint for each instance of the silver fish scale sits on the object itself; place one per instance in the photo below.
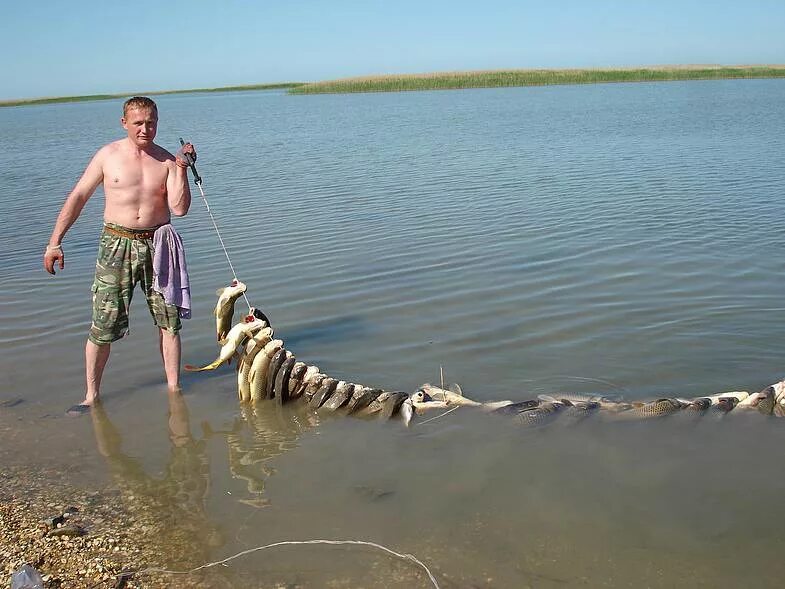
(582, 397)
(580, 411)
(723, 406)
(766, 404)
(541, 415)
(516, 408)
(658, 408)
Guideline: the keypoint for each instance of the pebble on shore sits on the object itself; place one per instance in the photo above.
(102, 536)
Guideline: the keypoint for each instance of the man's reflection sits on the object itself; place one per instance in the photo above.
(171, 508)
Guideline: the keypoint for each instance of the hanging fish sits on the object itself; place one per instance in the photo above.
(246, 328)
(224, 308)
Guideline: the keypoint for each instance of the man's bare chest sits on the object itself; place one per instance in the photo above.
(147, 176)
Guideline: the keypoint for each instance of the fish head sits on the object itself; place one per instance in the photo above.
(235, 286)
(235, 289)
(726, 403)
(778, 388)
(767, 398)
(700, 404)
(420, 396)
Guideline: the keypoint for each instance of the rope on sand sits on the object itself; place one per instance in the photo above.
(283, 543)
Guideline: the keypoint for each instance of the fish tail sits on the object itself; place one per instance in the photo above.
(211, 366)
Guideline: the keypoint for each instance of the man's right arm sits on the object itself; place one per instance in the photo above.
(72, 208)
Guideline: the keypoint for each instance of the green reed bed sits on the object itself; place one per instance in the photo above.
(495, 79)
(24, 102)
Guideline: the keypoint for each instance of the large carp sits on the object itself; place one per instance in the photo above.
(651, 410)
(257, 376)
(339, 398)
(224, 308)
(252, 348)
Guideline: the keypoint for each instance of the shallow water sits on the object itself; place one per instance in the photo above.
(624, 239)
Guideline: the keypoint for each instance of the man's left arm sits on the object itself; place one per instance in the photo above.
(178, 192)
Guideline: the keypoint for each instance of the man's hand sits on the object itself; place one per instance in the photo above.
(52, 255)
(183, 154)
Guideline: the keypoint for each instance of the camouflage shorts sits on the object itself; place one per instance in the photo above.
(122, 263)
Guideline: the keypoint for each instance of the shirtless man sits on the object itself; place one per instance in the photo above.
(143, 185)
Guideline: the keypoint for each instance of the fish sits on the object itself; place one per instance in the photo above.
(491, 406)
(392, 404)
(325, 390)
(762, 401)
(252, 348)
(723, 405)
(449, 397)
(342, 394)
(361, 398)
(698, 405)
(272, 370)
(407, 411)
(259, 314)
(246, 328)
(224, 308)
(652, 409)
(605, 401)
(767, 399)
(541, 415)
(312, 385)
(422, 402)
(515, 408)
(296, 379)
(257, 376)
(281, 385)
(580, 410)
(692, 409)
(779, 392)
(376, 405)
(738, 395)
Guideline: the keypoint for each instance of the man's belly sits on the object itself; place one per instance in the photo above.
(136, 215)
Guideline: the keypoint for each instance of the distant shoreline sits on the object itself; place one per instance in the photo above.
(539, 77)
(468, 79)
(90, 97)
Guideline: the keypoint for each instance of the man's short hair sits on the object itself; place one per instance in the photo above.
(139, 102)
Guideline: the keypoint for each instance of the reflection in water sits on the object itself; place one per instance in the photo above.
(261, 433)
(172, 509)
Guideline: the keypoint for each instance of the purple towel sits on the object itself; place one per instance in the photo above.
(170, 272)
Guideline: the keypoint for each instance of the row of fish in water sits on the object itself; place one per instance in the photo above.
(267, 370)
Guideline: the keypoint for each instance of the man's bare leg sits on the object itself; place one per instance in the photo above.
(169, 344)
(95, 361)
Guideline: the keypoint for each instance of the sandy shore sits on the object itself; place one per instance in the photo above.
(111, 526)
(115, 538)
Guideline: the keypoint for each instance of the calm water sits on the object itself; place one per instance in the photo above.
(618, 238)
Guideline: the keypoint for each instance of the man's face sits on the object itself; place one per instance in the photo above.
(141, 125)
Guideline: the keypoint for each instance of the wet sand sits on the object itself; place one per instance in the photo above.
(106, 532)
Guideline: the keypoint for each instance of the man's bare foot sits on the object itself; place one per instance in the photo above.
(82, 408)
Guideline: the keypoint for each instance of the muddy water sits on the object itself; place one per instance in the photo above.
(624, 239)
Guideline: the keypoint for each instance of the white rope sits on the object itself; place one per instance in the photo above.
(438, 416)
(292, 542)
(226, 253)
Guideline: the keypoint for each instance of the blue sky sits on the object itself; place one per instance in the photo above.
(52, 48)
